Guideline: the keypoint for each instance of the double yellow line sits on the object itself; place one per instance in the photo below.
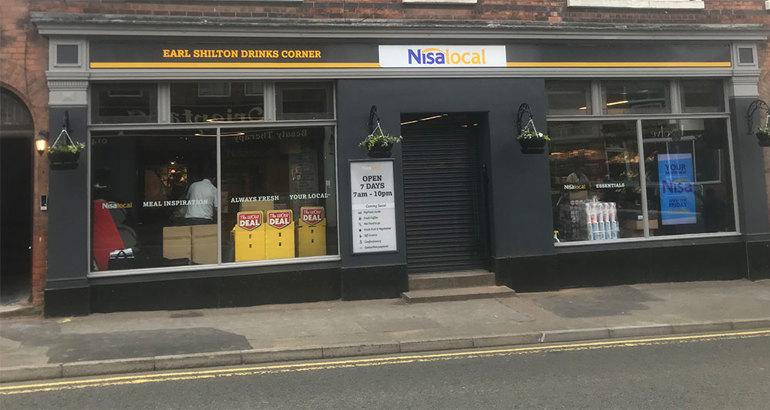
(361, 362)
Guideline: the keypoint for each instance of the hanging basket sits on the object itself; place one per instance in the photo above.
(764, 138)
(61, 158)
(378, 151)
(530, 139)
(531, 143)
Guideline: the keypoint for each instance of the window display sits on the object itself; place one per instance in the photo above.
(600, 189)
(212, 194)
(595, 180)
(154, 199)
(688, 176)
(278, 187)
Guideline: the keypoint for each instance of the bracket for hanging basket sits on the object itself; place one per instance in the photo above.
(762, 132)
(528, 145)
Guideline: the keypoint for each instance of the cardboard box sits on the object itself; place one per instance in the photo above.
(177, 242)
(639, 225)
(204, 244)
(257, 206)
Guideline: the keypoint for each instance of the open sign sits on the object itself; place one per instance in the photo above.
(312, 216)
(250, 221)
(278, 219)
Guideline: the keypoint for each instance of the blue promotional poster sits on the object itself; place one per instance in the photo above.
(677, 197)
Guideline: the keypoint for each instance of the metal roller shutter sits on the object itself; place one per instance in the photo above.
(443, 198)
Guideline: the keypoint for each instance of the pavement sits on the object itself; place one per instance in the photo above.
(35, 348)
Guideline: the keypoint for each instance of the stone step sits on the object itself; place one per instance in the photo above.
(443, 295)
(446, 280)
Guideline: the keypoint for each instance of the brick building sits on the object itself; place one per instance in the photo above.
(267, 102)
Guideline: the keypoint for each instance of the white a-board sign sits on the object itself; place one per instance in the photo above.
(374, 207)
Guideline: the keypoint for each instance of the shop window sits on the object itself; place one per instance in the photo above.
(154, 199)
(217, 101)
(595, 184)
(278, 189)
(568, 97)
(688, 177)
(702, 96)
(118, 103)
(303, 101)
(635, 97)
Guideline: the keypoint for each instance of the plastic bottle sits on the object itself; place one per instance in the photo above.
(588, 221)
(614, 221)
(607, 222)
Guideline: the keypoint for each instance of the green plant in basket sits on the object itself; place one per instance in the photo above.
(530, 133)
(379, 139)
(73, 148)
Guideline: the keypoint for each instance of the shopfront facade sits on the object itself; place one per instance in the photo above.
(223, 167)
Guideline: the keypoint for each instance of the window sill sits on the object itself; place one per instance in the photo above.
(640, 4)
(651, 239)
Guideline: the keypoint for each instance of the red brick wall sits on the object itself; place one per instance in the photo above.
(23, 61)
(717, 11)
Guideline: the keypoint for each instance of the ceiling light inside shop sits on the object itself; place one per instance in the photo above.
(617, 103)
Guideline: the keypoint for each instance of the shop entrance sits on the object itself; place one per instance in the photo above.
(444, 194)
(16, 195)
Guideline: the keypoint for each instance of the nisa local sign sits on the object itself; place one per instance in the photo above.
(442, 56)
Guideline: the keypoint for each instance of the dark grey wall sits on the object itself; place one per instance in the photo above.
(750, 172)
(519, 189)
(68, 209)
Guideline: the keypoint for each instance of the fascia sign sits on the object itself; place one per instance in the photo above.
(442, 56)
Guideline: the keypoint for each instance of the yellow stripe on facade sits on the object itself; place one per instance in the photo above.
(233, 65)
(609, 64)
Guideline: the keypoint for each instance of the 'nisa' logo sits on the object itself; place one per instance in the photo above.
(435, 56)
(677, 186)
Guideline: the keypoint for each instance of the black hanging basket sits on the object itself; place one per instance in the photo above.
(764, 138)
(63, 159)
(758, 106)
(532, 143)
(379, 151)
(524, 120)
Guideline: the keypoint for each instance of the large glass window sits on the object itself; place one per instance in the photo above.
(600, 189)
(118, 103)
(285, 178)
(154, 199)
(217, 101)
(595, 180)
(689, 186)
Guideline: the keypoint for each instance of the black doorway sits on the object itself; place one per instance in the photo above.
(444, 192)
(15, 200)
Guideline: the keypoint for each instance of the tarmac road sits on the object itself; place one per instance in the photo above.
(701, 371)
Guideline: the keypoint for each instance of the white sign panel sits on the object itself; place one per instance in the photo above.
(442, 56)
(374, 207)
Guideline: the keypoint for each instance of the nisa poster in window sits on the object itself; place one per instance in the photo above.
(677, 199)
